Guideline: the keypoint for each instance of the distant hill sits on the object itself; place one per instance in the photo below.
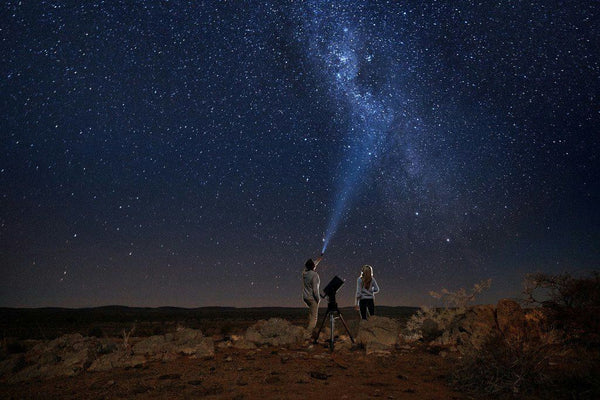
(111, 320)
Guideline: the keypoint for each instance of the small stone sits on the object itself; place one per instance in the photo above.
(272, 379)
(318, 375)
(169, 376)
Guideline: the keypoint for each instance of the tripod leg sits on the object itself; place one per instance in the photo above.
(332, 329)
(346, 326)
(321, 327)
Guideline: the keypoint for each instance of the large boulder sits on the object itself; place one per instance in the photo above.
(473, 327)
(184, 341)
(275, 332)
(378, 334)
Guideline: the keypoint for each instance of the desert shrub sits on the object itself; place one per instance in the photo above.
(428, 322)
(553, 356)
(503, 366)
(570, 304)
(527, 366)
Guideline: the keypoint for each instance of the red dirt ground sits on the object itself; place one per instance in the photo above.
(303, 372)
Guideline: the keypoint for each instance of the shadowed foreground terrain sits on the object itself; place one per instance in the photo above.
(115, 352)
(300, 371)
(304, 372)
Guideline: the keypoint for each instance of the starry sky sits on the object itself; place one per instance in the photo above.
(197, 153)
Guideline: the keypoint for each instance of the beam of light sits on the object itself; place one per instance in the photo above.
(338, 48)
(341, 204)
(355, 168)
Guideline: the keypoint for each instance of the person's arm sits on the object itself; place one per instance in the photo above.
(375, 286)
(358, 289)
(315, 284)
(318, 260)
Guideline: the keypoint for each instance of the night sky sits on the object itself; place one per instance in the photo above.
(197, 153)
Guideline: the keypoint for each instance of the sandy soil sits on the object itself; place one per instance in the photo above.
(303, 372)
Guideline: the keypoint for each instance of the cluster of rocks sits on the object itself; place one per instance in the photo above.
(72, 354)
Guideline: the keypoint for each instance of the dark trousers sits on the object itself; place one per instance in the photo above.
(365, 304)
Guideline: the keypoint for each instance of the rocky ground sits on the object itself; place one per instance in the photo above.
(490, 349)
(303, 371)
(273, 359)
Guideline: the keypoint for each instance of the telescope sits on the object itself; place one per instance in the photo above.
(332, 310)
(332, 287)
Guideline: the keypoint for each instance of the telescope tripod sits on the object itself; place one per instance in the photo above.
(334, 313)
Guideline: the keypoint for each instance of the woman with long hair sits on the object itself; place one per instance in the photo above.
(366, 287)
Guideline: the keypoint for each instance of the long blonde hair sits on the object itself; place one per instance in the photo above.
(366, 274)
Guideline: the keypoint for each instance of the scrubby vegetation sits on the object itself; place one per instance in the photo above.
(429, 323)
(551, 348)
(570, 305)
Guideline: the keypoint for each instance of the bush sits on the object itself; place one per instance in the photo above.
(571, 305)
(529, 366)
(502, 366)
(556, 356)
(428, 323)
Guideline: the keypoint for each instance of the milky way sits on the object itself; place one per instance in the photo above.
(192, 154)
(337, 46)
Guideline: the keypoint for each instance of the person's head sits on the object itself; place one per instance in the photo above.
(310, 264)
(366, 273)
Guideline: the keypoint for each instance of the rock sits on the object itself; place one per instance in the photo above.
(107, 346)
(243, 344)
(378, 334)
(353, 326)
(150, 346)
(189, 342)
(120, 359)
(275, 332)
(430, 330)
(511, 319)
(318, 375)
(474, 326)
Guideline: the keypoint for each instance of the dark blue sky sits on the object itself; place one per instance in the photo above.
(196, 153)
